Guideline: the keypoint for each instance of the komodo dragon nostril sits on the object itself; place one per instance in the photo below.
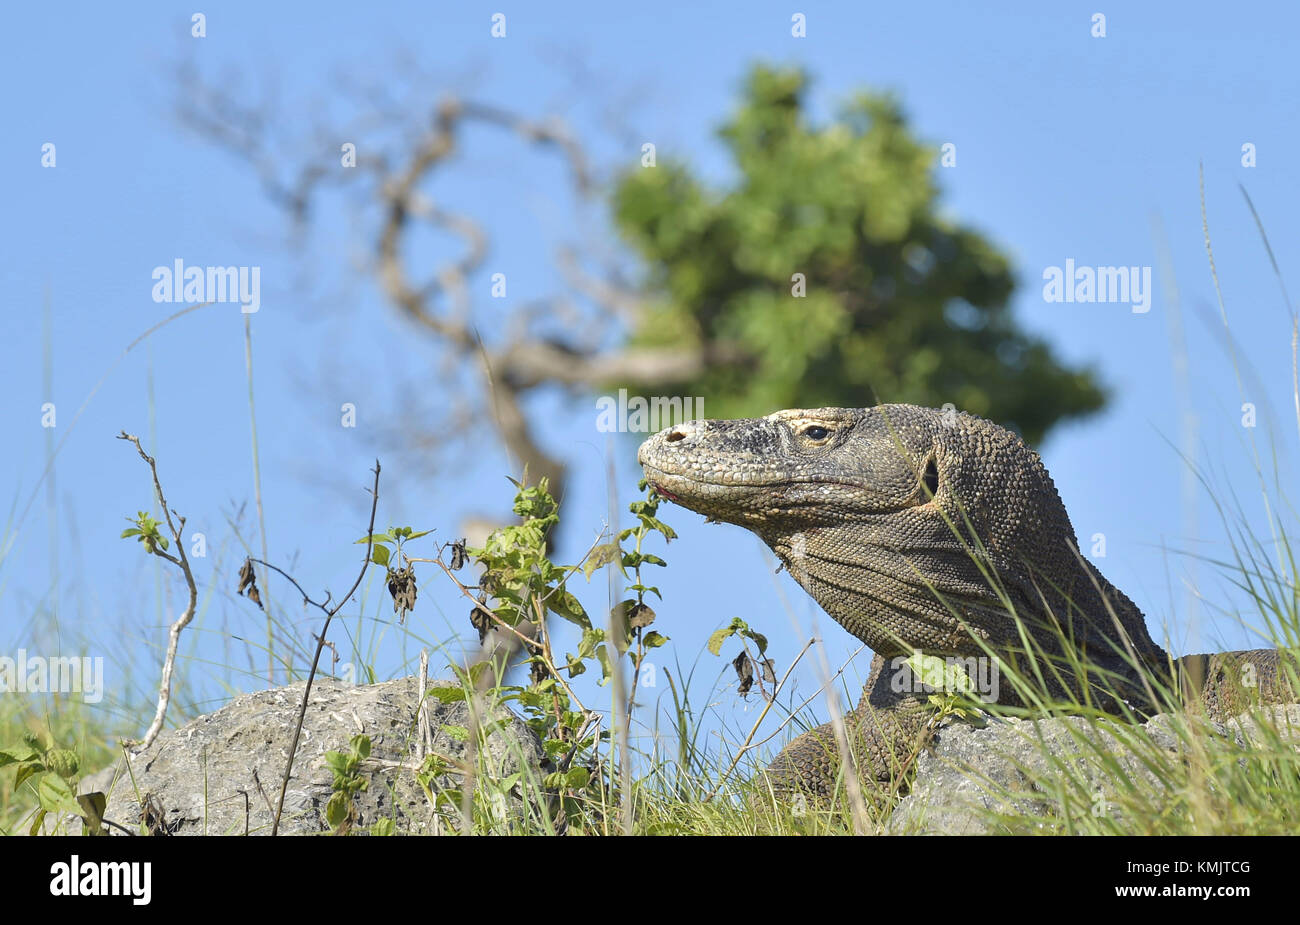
(674, 435)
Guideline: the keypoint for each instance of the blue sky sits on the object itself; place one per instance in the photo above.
(1068, 147)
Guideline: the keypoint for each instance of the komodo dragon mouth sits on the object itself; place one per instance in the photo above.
(657, 485)
(658, 480)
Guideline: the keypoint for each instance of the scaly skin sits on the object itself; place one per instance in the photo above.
(931, 531)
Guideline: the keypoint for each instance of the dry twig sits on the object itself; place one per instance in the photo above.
(176, 527)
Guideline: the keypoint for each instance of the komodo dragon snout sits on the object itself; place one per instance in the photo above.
(793, 468)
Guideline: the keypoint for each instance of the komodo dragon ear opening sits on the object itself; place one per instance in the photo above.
(930, 478)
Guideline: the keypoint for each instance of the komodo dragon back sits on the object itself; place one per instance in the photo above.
(937, 531)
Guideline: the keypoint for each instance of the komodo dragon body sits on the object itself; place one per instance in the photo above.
(938, 532)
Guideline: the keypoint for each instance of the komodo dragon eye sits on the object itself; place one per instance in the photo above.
(816, 432)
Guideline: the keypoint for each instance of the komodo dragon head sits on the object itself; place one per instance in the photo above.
(914, 528)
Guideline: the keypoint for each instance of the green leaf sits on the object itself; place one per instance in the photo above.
(375, 538)
(361, 745)
(27, 770)
(718, 638)
(606, 669)
(131, 531)
(934, 672)
(566, 605)
(55, 795)
(63, 762)
(546, 685)
(161, 540)
(459, 733)
(434, 766)
(599, 557)
(577, 778)
(379, 555)
(382, 827)
(418, 534)
(653, 640)
(590, 639)
(447, 694)
(336, 810)
(658, 526)
(20, 752)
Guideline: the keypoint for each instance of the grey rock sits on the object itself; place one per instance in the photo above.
(1284, 719)
(220, 774)
(971, 774)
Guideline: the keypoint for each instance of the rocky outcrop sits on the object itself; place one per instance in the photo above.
(220, 774)
(972, 774)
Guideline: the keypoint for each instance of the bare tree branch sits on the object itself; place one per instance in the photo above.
(442, 304)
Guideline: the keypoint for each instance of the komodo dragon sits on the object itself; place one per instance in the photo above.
(895, 519)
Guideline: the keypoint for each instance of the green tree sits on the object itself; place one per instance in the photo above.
(900, 303)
